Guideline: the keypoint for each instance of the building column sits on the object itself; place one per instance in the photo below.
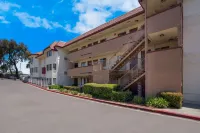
(139, 61)
(139, 86)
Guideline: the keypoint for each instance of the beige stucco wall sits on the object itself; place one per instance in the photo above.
(163, 71)
(101, 77)
(191, 48)
(170, 18)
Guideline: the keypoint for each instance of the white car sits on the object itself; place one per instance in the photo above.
(25, 79)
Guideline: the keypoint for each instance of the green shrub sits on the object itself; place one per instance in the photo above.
(102, 91)
(73, 88)
(121, 96)
(74, 92)
(54, 87)
(138, 100)
(175, 99)
(118, 96)
(66, 91)
(85, 95)
(157, 102)
(61, 89)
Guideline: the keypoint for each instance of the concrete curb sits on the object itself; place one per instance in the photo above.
(132, 106)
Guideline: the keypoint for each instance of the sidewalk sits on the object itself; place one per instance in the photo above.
(187, 109)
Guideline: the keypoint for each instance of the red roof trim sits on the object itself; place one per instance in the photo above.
(134, 13)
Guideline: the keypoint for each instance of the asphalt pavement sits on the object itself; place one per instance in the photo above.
(26, 109)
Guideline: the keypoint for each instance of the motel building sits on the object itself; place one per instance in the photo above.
(150, 49)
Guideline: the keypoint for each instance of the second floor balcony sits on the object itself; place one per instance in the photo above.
(165, 20)
(85, 70)
(108, 46)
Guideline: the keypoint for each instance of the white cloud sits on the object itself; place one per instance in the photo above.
(36, 6)
(52, 12)
(22, 67)
(6, 6)
(93, 13)
(3, 20)
(61, 1)
(36, 22)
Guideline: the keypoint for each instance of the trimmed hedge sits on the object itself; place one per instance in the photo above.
(54, 87)
(138, 100)
(157, 102)
(73, 88)
(121, 96)
(85, 95)
(77, 93)
(175, 99)
(101, 91)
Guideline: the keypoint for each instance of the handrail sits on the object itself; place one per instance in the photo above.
(119, 50)
(142, 59)
(135, 67)
(115, 53)
(133, 46)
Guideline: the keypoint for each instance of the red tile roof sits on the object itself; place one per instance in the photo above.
(53, 47)
(100, 28)
(111, 23)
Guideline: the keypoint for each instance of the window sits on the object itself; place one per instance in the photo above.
(83, 64)
(36, 70)
(54, 81)
(89, 45)
(142, 27)
(75, 65)
(95, 62)
(49, 81)
(54, 66)
(49, 53)
(83, 47)
(133, 30)
(103, 61)
(103, 40)
(43, 70)
(31, 70)
(167, 47)
(73, 50)
(89, 63)
(122, 34)
(95, 43)
(31, 60)
(50, 67)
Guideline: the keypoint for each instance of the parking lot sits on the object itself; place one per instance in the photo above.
(26, 109)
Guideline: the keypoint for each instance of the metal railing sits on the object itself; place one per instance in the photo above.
(113, 59)
(125, 52)
(133, 73)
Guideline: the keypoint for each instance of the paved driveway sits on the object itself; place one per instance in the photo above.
(26, 109)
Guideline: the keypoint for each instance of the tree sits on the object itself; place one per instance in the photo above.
(3, 50)
(28, 64)
(4, 68)
(14, 53)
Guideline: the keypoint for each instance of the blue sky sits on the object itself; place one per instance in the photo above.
(38, 23)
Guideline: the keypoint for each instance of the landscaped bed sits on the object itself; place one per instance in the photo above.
(111, 92)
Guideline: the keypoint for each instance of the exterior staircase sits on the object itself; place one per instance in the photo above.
(134, 75)
(131, 52)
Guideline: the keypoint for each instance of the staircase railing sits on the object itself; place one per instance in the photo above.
(133, 73)
(125, 54)
(112, 60)
(132, 42)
